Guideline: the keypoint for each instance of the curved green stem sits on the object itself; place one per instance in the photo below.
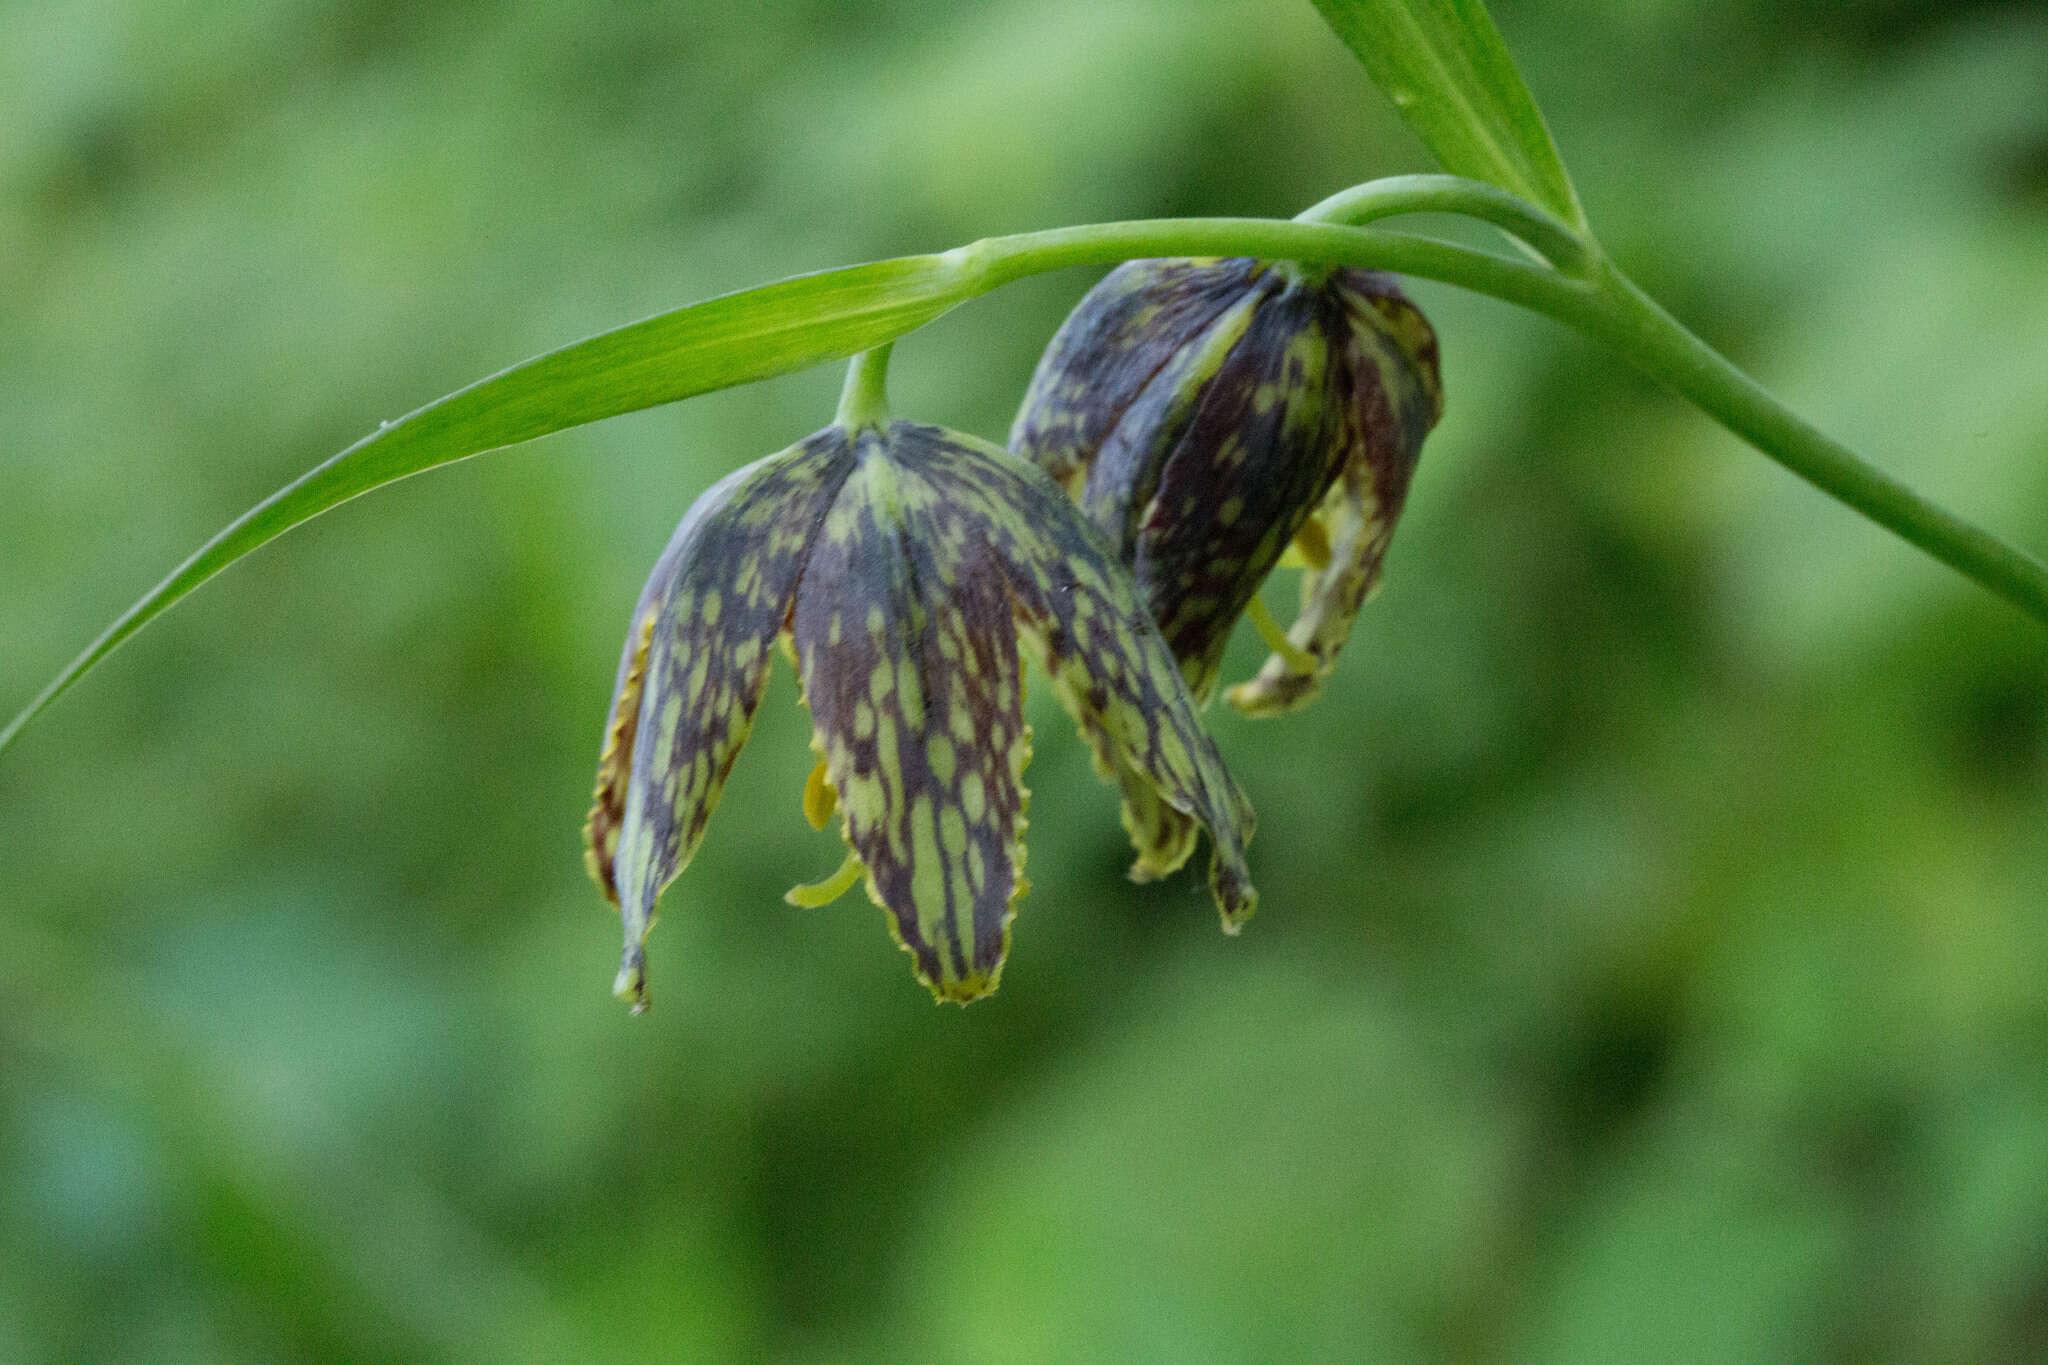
(1399, 194)
(806, 320)
(996, 261)
(1605, 305)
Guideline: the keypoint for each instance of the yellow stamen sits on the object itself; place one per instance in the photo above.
(1298, 659)
(819, 798)
(1310, 548)
(811, 895)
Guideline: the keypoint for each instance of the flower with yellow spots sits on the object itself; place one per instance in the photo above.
(900, 565)
(1208, 413)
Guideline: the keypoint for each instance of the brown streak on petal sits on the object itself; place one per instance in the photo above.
(608, 799)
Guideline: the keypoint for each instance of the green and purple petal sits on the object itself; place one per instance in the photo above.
(1142, 317)
(1109, 667)
(904, 638)
(1388, 358)
(695, 666)
(1264, 439)
(906, 627)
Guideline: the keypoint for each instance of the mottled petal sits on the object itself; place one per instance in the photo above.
(1143, 316)
(1266, 440)
(695, 666)
(1394, 396)
(1123, 474)
(1202, 410)
(1107, 662)
(905, 638)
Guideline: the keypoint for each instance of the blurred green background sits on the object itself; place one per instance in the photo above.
(1653, 960)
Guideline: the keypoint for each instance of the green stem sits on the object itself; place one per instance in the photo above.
(1399, 194)
(1657, 343)
(1603, 304)
(864, 399)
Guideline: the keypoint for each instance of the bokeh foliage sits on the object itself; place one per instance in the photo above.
(1653, 960)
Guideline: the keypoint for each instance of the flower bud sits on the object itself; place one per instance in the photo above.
(1208, 413)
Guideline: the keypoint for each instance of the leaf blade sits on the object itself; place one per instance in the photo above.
(1446, 68)
(731, 339)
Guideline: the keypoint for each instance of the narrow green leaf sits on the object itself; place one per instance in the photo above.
(733, 339)
(1444, 65)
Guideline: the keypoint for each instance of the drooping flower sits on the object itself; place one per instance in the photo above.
(901, 564)
(1208, 413)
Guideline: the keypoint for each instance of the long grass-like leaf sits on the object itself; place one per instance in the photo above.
(1445, 67)
(732, 339)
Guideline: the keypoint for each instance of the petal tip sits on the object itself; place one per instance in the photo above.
(1236, 898)
(966, 990)
(630, 985)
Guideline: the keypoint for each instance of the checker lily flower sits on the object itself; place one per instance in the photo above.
(900, 566)
(1209, 413)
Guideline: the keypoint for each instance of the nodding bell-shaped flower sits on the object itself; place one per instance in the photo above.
(899, 565)
(1209, 413)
